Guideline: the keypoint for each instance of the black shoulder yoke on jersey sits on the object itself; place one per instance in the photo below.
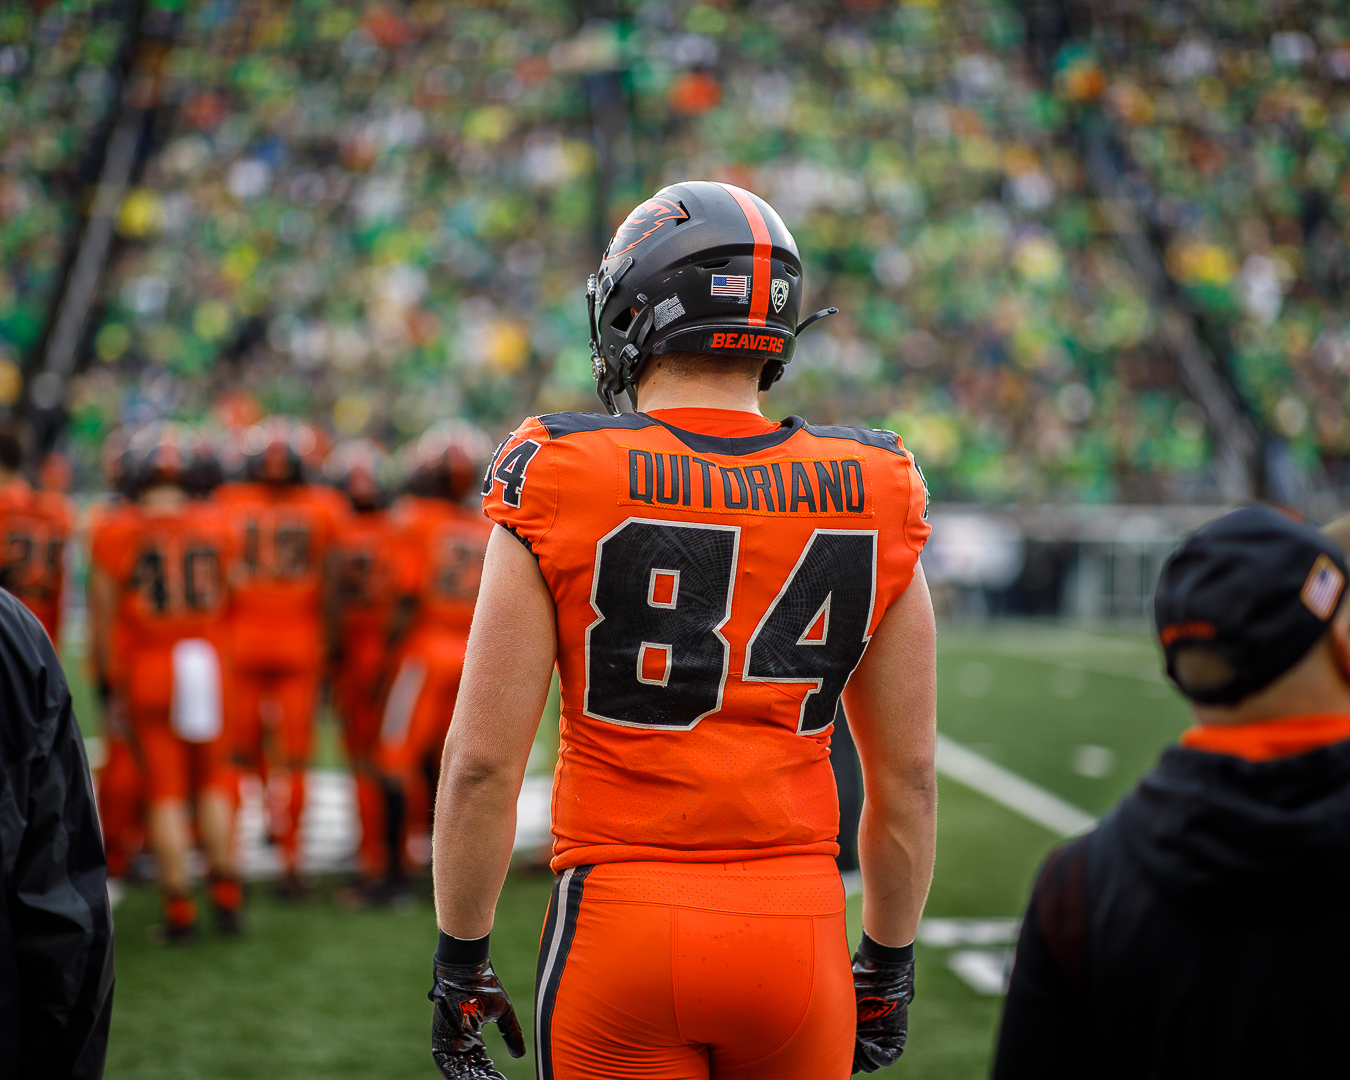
(56, 951)
(559, 425)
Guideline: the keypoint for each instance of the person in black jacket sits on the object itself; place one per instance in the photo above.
(56, 948)
(1203, 929)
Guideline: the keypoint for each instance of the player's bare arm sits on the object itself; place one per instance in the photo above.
(507, 670)
(891, 702)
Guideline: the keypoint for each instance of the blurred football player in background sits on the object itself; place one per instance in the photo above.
(360, 603)
(120, 789)
(161, 573)
(282, 528)
(34, 528)
(441, 543)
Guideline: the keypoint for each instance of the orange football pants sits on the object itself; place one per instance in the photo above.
(119, 804)
(355, 690)
(696, 971)
(173, 769)
(275, 704)
(421, 701)
(414, 722)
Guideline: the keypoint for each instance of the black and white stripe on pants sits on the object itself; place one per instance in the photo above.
(560, 926)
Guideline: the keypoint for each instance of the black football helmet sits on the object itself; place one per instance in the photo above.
(447, 461)
(699, 267)
(163, 452)
(361, 469)
(208, 471)
(275, 450)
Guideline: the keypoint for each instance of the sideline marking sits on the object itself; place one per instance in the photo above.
(1008, 789)
(948, 933)
(986, 971)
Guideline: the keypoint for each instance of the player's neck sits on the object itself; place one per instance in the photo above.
(663, 390)
(163, 499)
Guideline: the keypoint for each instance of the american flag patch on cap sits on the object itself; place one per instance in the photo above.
(1323, 587)
(737, 285)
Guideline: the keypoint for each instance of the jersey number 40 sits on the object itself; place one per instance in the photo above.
(655, 655)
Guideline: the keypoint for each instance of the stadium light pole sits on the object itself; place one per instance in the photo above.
(47, 390)
(1238, 464)
(149, 35)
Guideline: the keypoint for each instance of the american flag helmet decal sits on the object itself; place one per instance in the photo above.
(1323, 587)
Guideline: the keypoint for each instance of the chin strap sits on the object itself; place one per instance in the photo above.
(607, 382)
(770, 373)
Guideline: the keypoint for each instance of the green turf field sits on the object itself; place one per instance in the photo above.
(314, 991)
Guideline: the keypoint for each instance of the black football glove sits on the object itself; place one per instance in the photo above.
(884, 989)
(467, 996)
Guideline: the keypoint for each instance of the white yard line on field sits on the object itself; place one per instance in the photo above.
(1006, 788)
(1019, 795)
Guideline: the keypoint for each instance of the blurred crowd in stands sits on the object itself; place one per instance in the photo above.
(1235, 117)
(56, 91)
(379, 214)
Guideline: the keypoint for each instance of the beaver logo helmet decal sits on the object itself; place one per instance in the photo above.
(644, 221)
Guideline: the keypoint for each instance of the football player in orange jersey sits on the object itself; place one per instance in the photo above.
(361, 598)
(162, 573)
(120, 787)
(442, 542)
(709, 583)
(282, 529)
(34, 528)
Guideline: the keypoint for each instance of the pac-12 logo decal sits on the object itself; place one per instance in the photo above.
(778, 293)
(644, 221)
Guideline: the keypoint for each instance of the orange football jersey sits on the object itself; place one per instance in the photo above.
(110, 525)
(281, 538)
(443, 547)
(363, 563)
(170, 574)
(717, 578)
(34, 528)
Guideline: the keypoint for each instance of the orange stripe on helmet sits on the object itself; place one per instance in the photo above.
(759, 282)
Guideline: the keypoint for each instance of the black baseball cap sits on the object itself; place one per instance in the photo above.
(1243, 600)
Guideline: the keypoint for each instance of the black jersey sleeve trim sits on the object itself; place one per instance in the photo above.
(525, 540)
(881, 439)
(562, 424)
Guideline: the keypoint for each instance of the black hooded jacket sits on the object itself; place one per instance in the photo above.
(1202, 930)
(56, 951)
